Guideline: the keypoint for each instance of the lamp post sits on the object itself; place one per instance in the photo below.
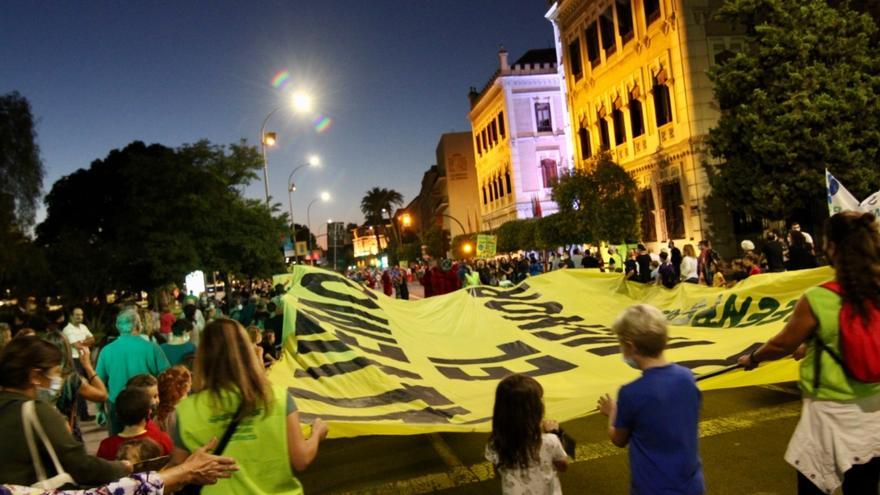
(325, 196)
(313, 161)
(301, 103)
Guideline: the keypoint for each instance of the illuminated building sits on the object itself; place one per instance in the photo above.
(518, 122)
(635, 77)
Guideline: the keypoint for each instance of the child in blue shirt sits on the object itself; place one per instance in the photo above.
(657, 414)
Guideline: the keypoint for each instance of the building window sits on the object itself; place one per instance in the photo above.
(549, 172)
(584, 137)
(619, 129)
(592, 38)
(542, 117)
(670, 196)
(606, 26)
(636, 117)
(484, 195)
(479, 146)
(604, 138)
(574, 59)
(507, 180)
(646, 205)
(494, 132)
(662, 103)
(501, 124)
(495, 185)
(625, 20)
(485, 141)
(652, 11)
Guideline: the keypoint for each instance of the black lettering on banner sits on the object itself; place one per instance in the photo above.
(306, 325)
(384, 350)
(544, 365)
(572, 331)
(767, 305)
(428, 415)
(322, 346)
(351, 320)
(343, 325)
(510, 350)
(515, 294)
(729, 360)
(339, 309)
(342, 367)
(783, 314)
(615, 349)
(314, 283)
(396, 396)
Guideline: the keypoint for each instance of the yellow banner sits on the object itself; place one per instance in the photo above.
(369, 364)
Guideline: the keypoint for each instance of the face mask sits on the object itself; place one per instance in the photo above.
(631, 362)
(154, 409)
(51, 393)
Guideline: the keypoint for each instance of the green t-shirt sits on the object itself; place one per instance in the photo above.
(834, 384)
(259, 444)
(176, 352)
(128, 356)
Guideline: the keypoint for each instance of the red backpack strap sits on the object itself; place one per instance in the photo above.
(833, 286)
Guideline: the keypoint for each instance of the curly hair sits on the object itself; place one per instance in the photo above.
(174, 384)
(856, 257)
(516, 421)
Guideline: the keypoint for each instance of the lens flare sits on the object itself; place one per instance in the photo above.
(280, 79)
(322, 124)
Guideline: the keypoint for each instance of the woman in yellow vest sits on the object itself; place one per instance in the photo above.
(268, 444)
(837, 440)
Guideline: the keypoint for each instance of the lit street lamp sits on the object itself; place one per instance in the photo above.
(325, 196)
(301, 103)
(313, 161)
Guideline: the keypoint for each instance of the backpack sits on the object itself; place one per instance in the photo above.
(859, 342)
(667, 275)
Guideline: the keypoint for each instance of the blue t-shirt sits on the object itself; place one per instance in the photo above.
(661, 410)
(176, 352)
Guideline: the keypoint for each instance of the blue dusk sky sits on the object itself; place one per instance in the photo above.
(390, 75)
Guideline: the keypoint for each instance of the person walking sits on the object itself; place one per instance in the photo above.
(230, 384)
(837, 440)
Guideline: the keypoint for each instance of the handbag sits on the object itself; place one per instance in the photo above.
(31, 423)
(192, 489)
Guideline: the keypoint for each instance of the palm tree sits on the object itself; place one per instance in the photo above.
(376, 202)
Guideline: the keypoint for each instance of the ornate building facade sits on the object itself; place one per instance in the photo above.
(518, 122)
(636, 86)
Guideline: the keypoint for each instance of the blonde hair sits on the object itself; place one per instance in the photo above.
(689, 250)
(644, 326)
(225, 361)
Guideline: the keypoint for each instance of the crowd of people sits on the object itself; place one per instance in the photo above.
(178, 387)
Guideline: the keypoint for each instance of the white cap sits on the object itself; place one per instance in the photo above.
(747, 245)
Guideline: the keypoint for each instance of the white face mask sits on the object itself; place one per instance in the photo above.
(51, 393)
(631, 362)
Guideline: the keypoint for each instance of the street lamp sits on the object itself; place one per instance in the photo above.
(325, 196)
(312, 161)
(302, 103)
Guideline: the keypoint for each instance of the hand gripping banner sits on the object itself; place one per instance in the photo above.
(369, 364)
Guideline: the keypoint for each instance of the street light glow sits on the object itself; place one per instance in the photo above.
(314, 160)
(269, 139)
(302, 102)
(406, 220)
(325, 196)
(467, 248)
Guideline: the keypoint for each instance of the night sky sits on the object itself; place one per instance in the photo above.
(391, 75)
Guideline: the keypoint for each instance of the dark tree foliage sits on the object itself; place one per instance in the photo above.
(597, 205)
(145, 216)
(21, 169)
(802, 98)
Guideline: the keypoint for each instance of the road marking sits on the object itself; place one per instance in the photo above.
(459, 474)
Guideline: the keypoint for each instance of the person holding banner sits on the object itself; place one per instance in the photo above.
(837, 440)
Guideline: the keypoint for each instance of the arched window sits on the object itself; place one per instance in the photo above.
(619, 127)
(584, 138)
(604, 137)
(484, 195)
(549, 172)
(636, 117)
(495, 185)
(662, 101)
(507, 180)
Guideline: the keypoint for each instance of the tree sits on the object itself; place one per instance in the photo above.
(378, 203)
(575, 193)
(618, 211)
(805, 96)
(145, 216)
(21, 168)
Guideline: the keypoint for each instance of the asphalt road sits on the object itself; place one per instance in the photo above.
(744, 433)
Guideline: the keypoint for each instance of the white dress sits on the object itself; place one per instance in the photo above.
(540, 478)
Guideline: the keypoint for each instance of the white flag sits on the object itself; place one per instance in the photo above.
(839, 199)
(872, 204)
